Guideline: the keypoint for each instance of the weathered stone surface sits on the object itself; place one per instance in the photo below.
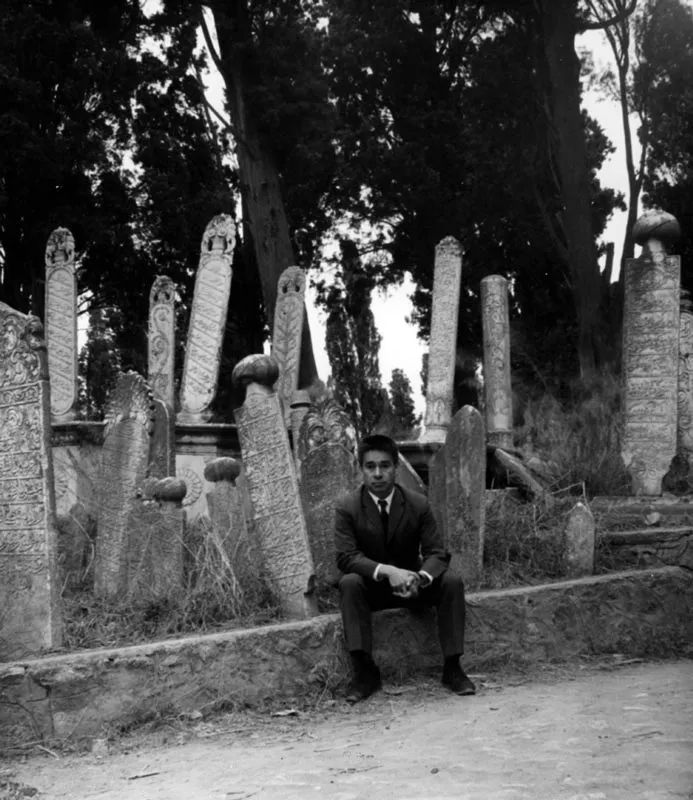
(162, 340)
(74, 696)
(447, 278)
(579, 541)
(162, 448)
(437, 490)
(518, 472)
(650, 364)
(277, 514)
(633, 512)
(648, 548)
(465, 480)
(30, 617)
(287, 334)
(207, 320)
(656, 224)
(300, 404)
(327, 473)
(497, 384)
(61, 323)
(684, 429)
(124, 463)
(325, 421)
(408, 477)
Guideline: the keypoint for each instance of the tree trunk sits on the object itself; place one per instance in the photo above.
(559, 28)
(259, 179)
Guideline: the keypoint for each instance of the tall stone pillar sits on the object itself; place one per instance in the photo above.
(287, 334)
(497, 381)
(207, 321)
(447, 277)
(273, 486)
(684, 434)
(61, 323)
(651, 354)
(162, 340)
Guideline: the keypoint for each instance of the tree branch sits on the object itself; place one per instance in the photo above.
(623, 14)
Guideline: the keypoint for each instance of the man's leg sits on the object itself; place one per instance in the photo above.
(358, 632)
(447, 595)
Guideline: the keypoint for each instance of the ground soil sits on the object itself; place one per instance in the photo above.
(600, 731)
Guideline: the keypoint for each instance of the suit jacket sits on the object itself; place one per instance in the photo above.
(412, 540)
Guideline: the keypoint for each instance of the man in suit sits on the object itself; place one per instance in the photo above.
(392, 555)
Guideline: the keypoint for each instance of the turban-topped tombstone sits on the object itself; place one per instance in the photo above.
(273, 487)
(651, 353)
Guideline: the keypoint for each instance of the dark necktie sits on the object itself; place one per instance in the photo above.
(383, 514)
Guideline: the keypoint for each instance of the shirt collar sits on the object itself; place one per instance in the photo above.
(387, 499)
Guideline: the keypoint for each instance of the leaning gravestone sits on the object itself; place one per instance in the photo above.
(465, 482)
(287, 334)
(327, 472)
(651, 354)
(207, 321)
(447, 278)
(29, 593)
(271, 478)
(161, 339)
(497, 385)
(124, 463)
(61, 323)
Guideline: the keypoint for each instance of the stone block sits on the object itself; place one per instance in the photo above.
(579, 543)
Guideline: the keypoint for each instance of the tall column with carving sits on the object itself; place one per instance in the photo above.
(287, 334)
(61, 323)
(161, 340)
(207, 321)
(273, 486)
(497, 386)
(447, 277)
(651, 353)
(684, 434)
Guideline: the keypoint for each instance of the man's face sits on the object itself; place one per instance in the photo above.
(378, 472)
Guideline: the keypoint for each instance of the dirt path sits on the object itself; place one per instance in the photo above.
(597, 734)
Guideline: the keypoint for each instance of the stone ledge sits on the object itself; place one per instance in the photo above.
(650, 548)
(77, 695)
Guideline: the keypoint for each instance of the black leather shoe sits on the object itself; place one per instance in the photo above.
(457, 680)
(366, 681)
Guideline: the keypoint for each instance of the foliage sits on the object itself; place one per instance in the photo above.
(405, 420)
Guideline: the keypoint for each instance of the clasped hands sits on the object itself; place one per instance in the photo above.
(403, 582)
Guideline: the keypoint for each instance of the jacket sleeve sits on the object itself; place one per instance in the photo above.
(435, 558)
(350, 558)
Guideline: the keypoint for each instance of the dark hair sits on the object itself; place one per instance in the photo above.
(378, 441)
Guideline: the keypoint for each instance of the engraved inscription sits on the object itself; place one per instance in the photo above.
(61, 321)
(287, 333)
(497, 384)
(161, 339)
(442, 342)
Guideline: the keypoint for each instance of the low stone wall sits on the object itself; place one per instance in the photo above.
(649, 548)
(79, 695)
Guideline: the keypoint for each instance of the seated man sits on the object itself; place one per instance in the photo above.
(392, 555)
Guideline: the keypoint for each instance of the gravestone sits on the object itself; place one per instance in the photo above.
(29, 592)
(497, 385)
(273, 487)
(287, 334)
(230, 533)
(327, 472)
(61, 323)
(437, 490)
(162, 340)
(124, 462)
(300, 405)
(325, 421)
(447, 277)
(651, 354)
(465, 484)
(155, 548)
(162, 450)
(207, 321)
(684, 432)
(579, 542)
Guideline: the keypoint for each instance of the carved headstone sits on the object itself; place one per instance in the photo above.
(684, 437)
(207, 321)
(497, 386)
(155, 549)
(61, 323)
(230, 533)
(650, 355)
(300, 405)
(273, 486)
(325, 421)
(465, 479)
(327, 472)
(287, 334)
(29, 592)
(447, 277)
(162, 451)
(124, 462)
(162, 340)
(579, 542)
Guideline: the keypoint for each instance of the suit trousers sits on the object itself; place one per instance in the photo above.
(361, 596)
